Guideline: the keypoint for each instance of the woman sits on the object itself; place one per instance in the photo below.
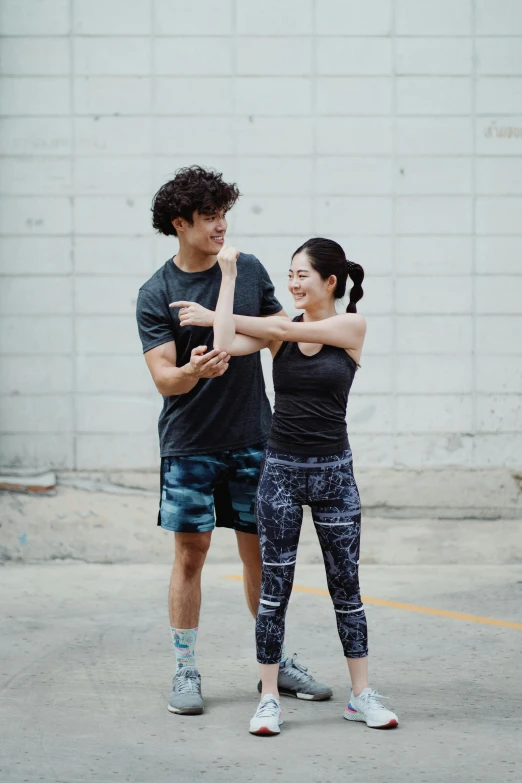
(308, 460)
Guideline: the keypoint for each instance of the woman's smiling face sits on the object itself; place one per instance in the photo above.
(306, 284)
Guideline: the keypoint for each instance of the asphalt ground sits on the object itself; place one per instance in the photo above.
(86, 664)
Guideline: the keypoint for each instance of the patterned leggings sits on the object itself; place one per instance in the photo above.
(328, 486)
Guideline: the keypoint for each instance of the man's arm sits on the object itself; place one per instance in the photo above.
(171, 380)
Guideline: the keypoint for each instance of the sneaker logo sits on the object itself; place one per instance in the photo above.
(351, 709)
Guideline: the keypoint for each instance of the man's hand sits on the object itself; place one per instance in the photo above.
(206, 365)
(227, 258)
(193, 314)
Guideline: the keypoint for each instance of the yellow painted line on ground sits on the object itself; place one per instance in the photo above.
(470, 618)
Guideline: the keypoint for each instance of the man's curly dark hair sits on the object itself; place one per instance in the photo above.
(192, 189)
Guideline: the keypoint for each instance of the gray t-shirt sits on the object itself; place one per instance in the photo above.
(223, 413)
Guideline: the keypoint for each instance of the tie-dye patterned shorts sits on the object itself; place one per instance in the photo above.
(200, 492)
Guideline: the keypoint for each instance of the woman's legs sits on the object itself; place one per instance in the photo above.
(358, 668)
(269, 674)
(279, 518)
(340, 545)
(339, 539)
(337, 517)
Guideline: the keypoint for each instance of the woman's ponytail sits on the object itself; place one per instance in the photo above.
(356, 273)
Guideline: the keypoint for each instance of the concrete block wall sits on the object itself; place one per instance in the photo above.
(393, 126)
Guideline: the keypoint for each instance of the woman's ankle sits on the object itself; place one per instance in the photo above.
(274, 693)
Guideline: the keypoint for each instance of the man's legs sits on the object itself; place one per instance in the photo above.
(185, 581)
(250, 554)
(184, 605)
(187, 509)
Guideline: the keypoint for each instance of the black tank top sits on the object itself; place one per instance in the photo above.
(311, 396)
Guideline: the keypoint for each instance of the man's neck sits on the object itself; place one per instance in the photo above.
(190, 260)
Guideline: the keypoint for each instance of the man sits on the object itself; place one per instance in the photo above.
(215, 416)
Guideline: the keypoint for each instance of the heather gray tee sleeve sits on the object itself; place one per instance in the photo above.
(154, 319)
(269, 305)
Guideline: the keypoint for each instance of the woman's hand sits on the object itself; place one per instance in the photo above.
(227, 258)
(193, 314)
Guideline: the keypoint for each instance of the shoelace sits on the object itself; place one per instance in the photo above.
(267, 708)
(297, 671)
(371, 699)
(188, 681)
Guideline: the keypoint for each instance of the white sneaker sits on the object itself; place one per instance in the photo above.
(367, 709)
(268, 716)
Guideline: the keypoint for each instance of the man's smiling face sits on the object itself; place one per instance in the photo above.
(207, 232)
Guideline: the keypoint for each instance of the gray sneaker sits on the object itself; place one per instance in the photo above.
(186, 698)
(294, 680)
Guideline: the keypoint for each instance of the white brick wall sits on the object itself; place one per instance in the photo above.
(34, 96)
(393, 126)
(434, 56)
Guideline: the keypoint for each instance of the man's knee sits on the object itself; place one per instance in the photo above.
(191, 551)
(249, 552)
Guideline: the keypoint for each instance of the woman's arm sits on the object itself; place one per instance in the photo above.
(343, 331)
(224, 320)
(194, 314)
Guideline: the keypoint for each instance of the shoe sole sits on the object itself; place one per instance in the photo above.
(359, 719)
(305, 696)
(186, 711)
(264, 731)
